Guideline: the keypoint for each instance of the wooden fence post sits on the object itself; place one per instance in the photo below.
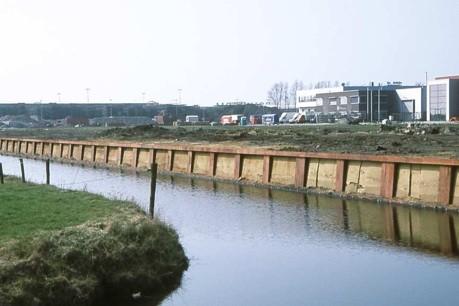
(1, 174)
(154, 171)
(47, 172)
(21, 161)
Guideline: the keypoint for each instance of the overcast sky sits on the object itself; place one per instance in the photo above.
(216, 50)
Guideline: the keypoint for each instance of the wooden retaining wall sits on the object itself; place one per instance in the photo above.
(422, 179)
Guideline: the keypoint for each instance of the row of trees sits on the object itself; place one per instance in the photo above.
(283, 96)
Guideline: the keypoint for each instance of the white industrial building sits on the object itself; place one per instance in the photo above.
(370, 103)
(443, 98)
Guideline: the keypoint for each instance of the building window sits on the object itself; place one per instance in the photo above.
(437, 97)
(355, 100)
(343, 100)
(332, 100)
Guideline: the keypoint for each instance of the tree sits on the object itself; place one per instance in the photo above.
(297, 85)
(278, 94)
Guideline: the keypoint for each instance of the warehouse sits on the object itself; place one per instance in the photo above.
(369, 103)
(443, 99)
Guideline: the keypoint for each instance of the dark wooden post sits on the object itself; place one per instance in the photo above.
(154, 172)
(21, 161)
(1, 174)
(47, 172)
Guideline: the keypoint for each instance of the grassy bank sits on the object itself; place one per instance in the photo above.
(73, 248)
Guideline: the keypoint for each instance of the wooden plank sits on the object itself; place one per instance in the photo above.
(444, 186)
(106, 152)
(387, 180)
(418, 160)
(93, 154)
(212, 164)
(190, 161)
(237, 166)
(300, 172)
(152, 157)
(135, 157)
(170, 160)
(81, 157)
(120, 156)
(340, 179)
(267, 168)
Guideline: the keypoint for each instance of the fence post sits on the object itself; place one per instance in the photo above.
(154, 171)
(1, 174)
(21, 161)
(47, 172)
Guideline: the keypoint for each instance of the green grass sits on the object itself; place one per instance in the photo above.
(73, 248)
(26, 209)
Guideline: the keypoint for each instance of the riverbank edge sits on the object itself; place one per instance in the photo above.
(305, 190)
(94, 263)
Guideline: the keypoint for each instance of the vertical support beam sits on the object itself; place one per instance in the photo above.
(135, 157)
(27, 147)
(34, 148)
(42, 148)
(190, 162)
(120, 156)
(267, 163)
(70, 153)
(152, 157)
(170, 160)
(237, 166)
(106, 152)
(82, 153)
(212, 162)
(340, 181)
(61, 150)
(444, 186)
(301, 172)
(387, 180)
(93, 154)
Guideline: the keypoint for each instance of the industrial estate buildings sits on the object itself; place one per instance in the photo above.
(438, 101)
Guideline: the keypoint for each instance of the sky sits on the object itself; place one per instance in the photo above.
(216, 50)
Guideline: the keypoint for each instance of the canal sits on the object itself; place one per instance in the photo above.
(252, 246)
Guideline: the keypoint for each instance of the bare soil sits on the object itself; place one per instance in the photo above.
(402, 139)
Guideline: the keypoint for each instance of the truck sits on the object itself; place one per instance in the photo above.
(255, 119)
(270, 119)
(192, 119)
(230, 119)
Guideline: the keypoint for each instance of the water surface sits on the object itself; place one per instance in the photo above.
(252, 246)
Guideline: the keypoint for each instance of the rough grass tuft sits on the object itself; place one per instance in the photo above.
(111, 257)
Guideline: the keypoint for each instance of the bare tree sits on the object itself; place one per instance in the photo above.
(297, 85)
(278, 94)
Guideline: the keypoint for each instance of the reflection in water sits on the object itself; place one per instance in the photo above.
(421, 229)
(255, 246)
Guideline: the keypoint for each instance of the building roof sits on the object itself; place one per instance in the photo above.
(450, 77)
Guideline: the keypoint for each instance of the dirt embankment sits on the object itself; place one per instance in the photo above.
(414, 139)
(401, 139)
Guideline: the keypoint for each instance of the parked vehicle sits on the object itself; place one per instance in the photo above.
(192, 119)
(286, 117)
(230, 119)
(298, 118)
(270, 119)
(255, 119)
